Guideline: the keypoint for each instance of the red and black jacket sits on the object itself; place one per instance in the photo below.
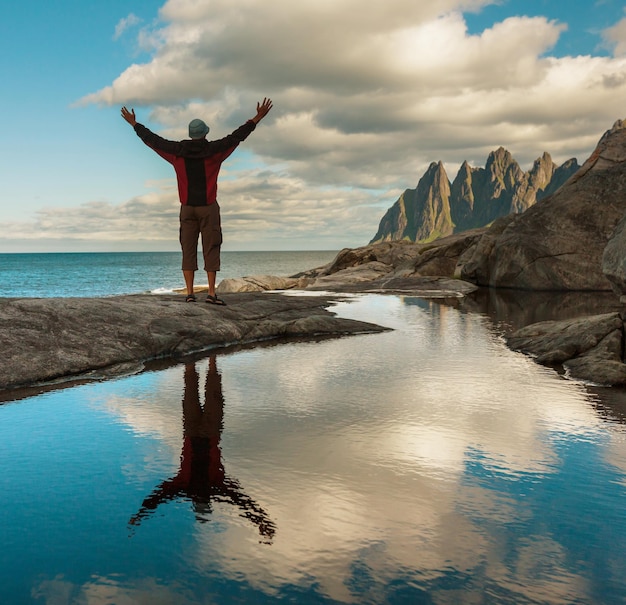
(197, 162)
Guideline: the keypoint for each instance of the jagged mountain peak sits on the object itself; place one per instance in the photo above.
(499, 155)
(475, 198)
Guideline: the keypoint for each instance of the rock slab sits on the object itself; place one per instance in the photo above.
(50, 339)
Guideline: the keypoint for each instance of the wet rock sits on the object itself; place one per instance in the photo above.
(590, 347)
(431, 287)
(601, 364)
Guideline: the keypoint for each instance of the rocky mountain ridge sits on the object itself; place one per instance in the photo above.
(475, 198)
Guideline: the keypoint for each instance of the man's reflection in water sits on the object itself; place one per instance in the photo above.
(201, 477)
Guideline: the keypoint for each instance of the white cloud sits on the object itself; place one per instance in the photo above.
(368, 98)
(125, 24)
(615, 37)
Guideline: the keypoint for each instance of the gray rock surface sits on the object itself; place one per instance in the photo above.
(400, 259)
(425, 269)
(614, 259)
(589, 348)
(51, 339)
(260, 283)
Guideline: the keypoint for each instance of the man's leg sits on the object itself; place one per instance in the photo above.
(189, 232)
(189, 275)
(212, 277)
(211, 230)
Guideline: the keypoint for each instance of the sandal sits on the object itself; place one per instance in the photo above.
(214, 300)
(190, 298)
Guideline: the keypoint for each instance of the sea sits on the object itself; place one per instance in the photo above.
(428, 464)
(97, 274)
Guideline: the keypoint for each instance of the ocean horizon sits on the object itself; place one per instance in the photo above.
(99, 274)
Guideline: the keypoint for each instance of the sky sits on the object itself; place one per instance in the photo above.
(366, 96)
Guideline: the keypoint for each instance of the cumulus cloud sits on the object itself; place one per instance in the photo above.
(367, 99)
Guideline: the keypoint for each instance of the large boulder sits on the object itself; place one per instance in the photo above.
(558, 243)
(589, 348)
(614, 259)
(392, 254)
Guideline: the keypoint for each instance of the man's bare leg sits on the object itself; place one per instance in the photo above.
(189, 275)
(212, 296)
(211, 276)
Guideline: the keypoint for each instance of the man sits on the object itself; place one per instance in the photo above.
(197, 164)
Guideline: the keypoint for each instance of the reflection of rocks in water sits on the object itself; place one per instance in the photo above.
(579, 333)
(610, 403)
(514, 309)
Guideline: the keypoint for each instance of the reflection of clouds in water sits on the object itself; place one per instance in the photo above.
(147, 403)
(359, 447)
(616, 454)
(106, 590)
(539, 572)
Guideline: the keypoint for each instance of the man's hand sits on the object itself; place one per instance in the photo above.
(129, 116)
(262, 109)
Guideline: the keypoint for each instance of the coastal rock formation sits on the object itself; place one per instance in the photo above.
(558, 243)
(589, 348)
(573, 241)
(396, 259)
(477, 196)
(50, 339)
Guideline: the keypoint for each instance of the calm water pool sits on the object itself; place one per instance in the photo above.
(429, 464)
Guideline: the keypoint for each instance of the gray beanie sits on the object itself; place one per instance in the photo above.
(198, 129)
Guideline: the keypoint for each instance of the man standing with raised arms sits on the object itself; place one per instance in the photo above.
(197, 164)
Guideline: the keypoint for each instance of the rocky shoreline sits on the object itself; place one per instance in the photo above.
(553, 279)
(581, 333)
(56, 340)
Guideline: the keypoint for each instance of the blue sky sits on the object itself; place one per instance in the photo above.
(364, 101)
